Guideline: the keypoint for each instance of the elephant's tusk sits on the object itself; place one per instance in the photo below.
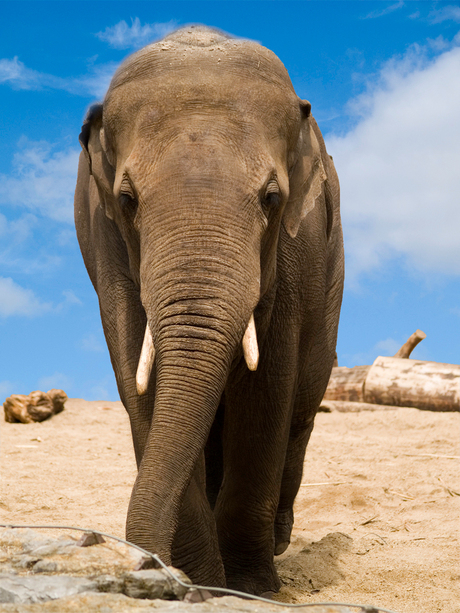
(145, 362)
(250, 348)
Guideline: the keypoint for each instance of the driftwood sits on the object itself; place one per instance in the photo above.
(410, 344)
(347, 406)
(37, 406)
(396, 381)
(347, 384)
(413, 383)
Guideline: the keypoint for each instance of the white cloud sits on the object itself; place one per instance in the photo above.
(123, 36)
(399, 167)
(385, 11)
(16, 300)
(385, 347)
(103, 390)
(70, 297)
(439, 44)
(15, 73)
(66, 237)
(93, 84)
(91, 343)
(17, 230)
(29, 263)
(55, 381)
(19, 249)
(388, 346)
(6, 389)
(43, 180)
(446, 13)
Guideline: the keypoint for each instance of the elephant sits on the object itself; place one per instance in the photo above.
(207, 213)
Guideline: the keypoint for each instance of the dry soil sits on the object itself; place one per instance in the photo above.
(377, 516)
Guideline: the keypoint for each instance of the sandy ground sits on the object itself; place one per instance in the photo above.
(377, 517)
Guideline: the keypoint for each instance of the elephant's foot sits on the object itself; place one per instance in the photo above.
(281, 547)
(196, 552)
(256, 588)
(209, 572)
(283, 528)
(264, 582)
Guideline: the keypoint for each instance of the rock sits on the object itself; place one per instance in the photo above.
(88, 539)
(26, 561)
(29, 589)
(155, 583)
(37, 406)
(45, 566)
(62, 567)
(54, 547)
(119, 603)
(109, 584)
(26, 548)
(23, 540)
(44, 574)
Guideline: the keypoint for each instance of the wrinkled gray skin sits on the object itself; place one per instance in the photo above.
(205, 194)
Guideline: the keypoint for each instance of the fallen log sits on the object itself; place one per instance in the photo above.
(390, 382)
(431, 386)
(347, 384)
(397, 381)
(346, 406)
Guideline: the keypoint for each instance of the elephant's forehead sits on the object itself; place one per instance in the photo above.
(231, 56)
(242, 79)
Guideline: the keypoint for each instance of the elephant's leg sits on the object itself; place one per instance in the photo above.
(309, 395)
(301, 428)
(123, 319)
(214, 457)
(195, 546)
(255, 438)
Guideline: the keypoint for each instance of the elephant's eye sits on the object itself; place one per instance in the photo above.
(127, 201)
(272, 195)
(127, 197)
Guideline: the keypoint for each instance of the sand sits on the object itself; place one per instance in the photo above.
(377, 516)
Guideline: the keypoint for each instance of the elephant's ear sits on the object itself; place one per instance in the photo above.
(307, 176)
(92, 141)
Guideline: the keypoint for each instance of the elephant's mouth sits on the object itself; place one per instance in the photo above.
(147, 357)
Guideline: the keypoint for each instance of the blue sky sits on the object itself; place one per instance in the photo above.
(384, 82)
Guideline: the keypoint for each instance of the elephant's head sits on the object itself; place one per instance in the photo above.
(203, 155)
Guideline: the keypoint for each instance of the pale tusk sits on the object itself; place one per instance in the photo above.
(250, 348)
(145, 362)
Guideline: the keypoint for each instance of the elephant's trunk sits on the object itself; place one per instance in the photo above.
(199, 311)
(192, 365)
